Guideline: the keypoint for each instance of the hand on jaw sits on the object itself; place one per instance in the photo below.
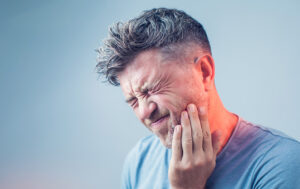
(194, 150)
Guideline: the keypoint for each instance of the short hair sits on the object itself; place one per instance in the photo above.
(155, 28)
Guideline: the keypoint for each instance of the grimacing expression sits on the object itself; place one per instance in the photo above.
(159, 89)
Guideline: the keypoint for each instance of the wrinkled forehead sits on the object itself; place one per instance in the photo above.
(135, 80)
(143, 71)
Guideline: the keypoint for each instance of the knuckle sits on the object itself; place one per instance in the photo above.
(177, 167)
(188, 140)
(197, 134)
(209, 158)
(187, 166)
(206, 135)
(199, 163)
(173, 166)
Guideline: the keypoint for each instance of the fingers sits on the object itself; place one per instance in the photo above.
(196, 128)
(176, 144)
(207, 145)
(194, 136)
(187, 141)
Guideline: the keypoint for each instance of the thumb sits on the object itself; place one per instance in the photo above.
(216, 141)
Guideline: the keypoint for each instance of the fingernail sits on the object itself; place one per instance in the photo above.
(191, 108)
(185, 115)
(202, 110)
(182, 114)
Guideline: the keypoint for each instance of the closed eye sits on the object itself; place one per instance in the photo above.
(131, 101)
(145, 91)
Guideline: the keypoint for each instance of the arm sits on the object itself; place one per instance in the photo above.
(125, 177)
(280, 167)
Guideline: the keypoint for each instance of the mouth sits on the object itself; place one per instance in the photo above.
(159, 122)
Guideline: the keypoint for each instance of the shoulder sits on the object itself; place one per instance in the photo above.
(277, 158)
(263, 138)
(136, 158)
(145, 146)
(275, 143)
(267, 142)
(257, 157)
(282, 148)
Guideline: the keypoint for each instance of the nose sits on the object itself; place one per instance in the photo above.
(146, 109)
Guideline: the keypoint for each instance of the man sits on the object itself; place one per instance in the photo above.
(163, 62)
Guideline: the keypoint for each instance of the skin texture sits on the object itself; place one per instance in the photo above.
(160, 87)
(159, 90)
(194, 150)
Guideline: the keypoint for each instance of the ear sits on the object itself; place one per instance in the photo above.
(206, 66)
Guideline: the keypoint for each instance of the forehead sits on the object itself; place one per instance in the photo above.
(148, 67)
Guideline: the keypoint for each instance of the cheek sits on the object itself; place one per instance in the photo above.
(136, 112)
(174, 105)
(171, 102)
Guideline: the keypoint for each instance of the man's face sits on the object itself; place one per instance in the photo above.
(159, 89)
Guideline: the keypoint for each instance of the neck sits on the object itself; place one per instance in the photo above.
(220, 118)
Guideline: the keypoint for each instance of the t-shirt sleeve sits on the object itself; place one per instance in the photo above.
(125, 177)
(280, 167)
(128, 176)
(133, 162)
(128, 169)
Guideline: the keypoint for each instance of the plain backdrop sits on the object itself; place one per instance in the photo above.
(61, 127)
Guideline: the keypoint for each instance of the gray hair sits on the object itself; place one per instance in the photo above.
(155, 28)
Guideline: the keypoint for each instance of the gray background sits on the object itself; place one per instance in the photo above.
(60, 127)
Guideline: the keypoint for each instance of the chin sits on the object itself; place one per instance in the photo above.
(167, 141)
(165, 135)
(169, 145)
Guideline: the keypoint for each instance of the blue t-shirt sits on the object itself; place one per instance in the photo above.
(254, 157)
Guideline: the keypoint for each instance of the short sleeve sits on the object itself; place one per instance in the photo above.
(125, 177)
(128, 177)
(134, 162)
(280, 167)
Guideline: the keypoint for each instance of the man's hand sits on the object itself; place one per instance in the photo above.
(193, 150)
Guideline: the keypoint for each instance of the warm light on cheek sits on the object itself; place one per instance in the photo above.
(168, 102)
(174, 106)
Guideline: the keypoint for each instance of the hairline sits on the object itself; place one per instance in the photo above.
(175, 53)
